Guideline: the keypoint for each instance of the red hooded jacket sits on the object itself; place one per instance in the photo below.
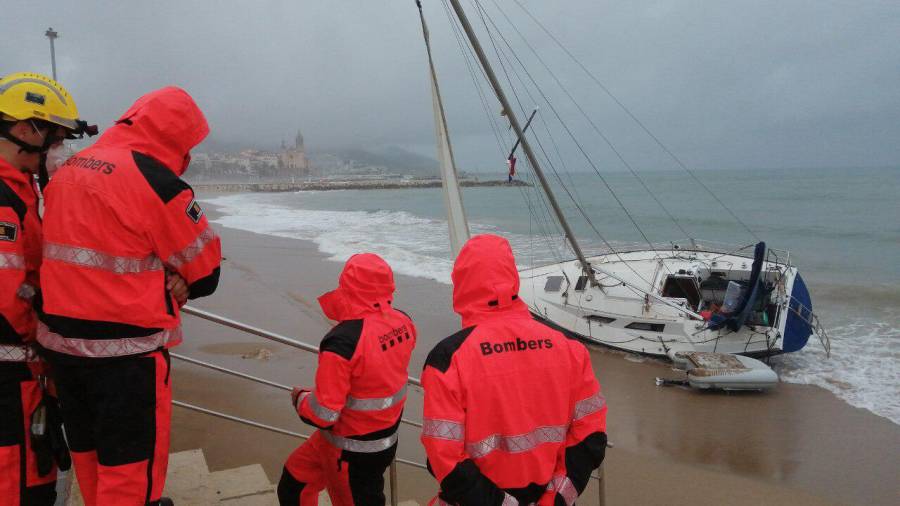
(117, 216)
(513, 412)
(20, 259)
(363, 362)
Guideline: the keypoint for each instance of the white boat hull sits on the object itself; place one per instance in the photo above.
(622, 316)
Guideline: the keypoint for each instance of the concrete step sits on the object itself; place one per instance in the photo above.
(190, 483)
(243, 485)
(188, 480)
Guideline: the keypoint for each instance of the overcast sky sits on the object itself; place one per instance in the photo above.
(723, 83)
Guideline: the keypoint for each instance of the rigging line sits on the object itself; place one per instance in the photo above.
(581, 210)
(542, 219)
(500, 57)
(475, 82)
(572, 135)
(477, 6)
(542, 197)
(591, 121)
(634, 118)
(584, 214)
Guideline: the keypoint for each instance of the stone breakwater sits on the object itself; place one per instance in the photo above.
(342, 185)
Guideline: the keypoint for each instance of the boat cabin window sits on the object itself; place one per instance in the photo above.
(682, 286)
(652, 327)
(581, 283)
(554, 283)
(600, 319)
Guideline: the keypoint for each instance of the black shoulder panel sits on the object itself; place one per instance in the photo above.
(163, 181)
(440, 356)
(9, 198)
(343, 338)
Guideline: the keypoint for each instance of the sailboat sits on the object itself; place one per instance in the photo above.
(710, 308)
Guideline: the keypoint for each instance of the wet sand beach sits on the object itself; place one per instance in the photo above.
(795, 445)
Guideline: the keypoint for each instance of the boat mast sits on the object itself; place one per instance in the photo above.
(526, 146)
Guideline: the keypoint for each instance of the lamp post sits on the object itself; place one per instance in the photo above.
(52, 36)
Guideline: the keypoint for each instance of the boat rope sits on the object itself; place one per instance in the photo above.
(593, 124)
(634, 118)
(485, 18)
(501, 56)
(538, 214)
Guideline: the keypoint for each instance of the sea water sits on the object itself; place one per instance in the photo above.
(841, 226)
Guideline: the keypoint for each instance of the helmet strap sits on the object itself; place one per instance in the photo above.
(24, 147)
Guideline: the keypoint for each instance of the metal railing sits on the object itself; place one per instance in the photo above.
(272, 336)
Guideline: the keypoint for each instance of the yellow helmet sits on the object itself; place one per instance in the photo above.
(25, 95)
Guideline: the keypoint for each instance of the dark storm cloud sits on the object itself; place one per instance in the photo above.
(724, 84)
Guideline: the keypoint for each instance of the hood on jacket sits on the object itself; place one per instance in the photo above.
(366, 286)
(485, 280)
(164, 124)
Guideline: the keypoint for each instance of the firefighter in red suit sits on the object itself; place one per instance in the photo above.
(36, 114)
(513, 412)
(359, 394)
(125, 244)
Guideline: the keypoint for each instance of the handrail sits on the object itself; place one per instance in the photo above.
(600, 478)
(256, 379)
(272, 336)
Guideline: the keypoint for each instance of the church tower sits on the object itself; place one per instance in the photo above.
(293, 160)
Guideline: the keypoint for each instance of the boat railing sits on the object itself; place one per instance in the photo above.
(775, 255)
(724, 248)
(272, 336)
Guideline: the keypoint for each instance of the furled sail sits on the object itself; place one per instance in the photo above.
(456, 214)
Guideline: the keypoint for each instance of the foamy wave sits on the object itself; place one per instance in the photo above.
(413, 246)
(864, 368)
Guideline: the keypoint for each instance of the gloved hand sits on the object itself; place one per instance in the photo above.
(296, 394)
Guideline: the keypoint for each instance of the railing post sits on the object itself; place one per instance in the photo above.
(601, 485)
(393, 477)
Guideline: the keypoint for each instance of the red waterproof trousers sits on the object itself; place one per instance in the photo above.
(350, 478)
(117, 413)
(20, 484)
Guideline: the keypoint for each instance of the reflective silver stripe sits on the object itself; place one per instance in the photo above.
(329, 415)
(10, 84)
(192, 250)
(355, 445)
(17, 353)
(68, 123)
(589, 406)
(375, 404)
(87, 257)
(563, 486)
(12, 261)
(517, 443)
(443, 429)
(106, 347)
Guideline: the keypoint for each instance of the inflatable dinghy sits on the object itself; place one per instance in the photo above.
(724, 371)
